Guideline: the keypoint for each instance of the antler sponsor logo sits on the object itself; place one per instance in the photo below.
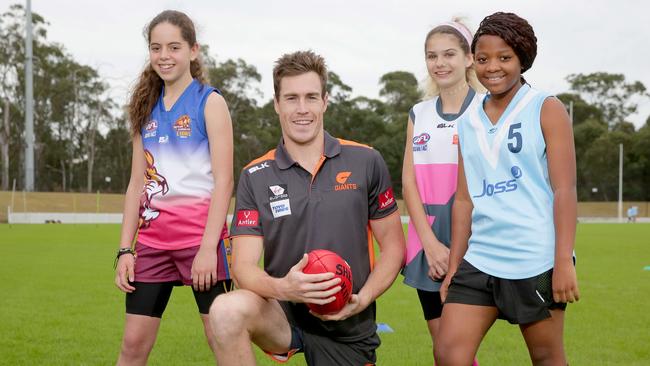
(386, 198)
(247, 218)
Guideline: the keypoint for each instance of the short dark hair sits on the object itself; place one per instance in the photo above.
(298, 63)
(515, 31)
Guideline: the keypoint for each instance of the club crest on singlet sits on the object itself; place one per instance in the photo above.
(183, 127)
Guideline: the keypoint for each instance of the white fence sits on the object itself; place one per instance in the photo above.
(63, 218)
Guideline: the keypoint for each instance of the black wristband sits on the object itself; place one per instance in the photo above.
(121, 252)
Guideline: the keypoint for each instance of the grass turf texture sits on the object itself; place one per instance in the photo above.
(59, 305)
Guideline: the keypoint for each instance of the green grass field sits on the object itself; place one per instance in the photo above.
(59, 305)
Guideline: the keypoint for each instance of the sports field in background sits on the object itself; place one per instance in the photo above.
(59, 305)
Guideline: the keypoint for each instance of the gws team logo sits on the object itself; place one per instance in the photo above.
(420, 142)
(386, 198)
(183, 127)
(248, 218)
(342, 180)
(503, 186)
(154, 184)
(150, 128)
(342, 177)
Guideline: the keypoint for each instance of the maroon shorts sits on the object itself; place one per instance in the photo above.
(158, 265)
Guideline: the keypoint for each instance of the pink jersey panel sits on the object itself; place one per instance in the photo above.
(177, 225)
(436, 182)
(413, 244)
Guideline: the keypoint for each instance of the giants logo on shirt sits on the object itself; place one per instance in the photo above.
(386, 198)
(247, 218)
(420, 142)
(341, 179)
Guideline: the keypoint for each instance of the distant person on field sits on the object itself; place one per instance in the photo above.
(313, 191)
(180, 187)
(431, 161)
(632, 213)
(514, 217)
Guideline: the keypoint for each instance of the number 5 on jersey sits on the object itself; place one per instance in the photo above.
(516, 135)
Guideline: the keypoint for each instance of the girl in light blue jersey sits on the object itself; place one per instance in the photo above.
(514, 217)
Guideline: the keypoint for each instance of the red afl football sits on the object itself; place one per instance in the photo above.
(321, 261)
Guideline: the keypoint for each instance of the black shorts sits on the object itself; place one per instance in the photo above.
(431, 304)
(324, 351)
(518, 301)
(151, 299)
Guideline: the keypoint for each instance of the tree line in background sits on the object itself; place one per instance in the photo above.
(82, 134)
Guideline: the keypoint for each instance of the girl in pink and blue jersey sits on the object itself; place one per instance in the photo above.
(180, 187)
(431, 161)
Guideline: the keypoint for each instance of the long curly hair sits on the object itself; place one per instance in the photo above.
(147, 90)
(515, 31)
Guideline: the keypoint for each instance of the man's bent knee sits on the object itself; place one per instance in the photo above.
(234, 312)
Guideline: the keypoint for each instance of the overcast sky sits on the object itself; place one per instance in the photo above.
(360, 40)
